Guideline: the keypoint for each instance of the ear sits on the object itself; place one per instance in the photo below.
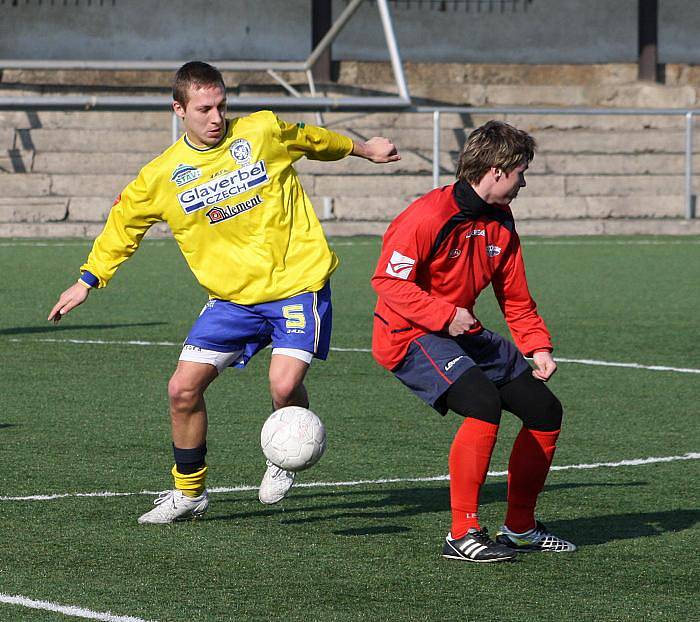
(178, 109)
(496, 172)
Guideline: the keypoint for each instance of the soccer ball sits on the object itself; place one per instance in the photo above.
(293, 438)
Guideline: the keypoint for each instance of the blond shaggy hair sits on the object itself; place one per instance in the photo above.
(494, 144)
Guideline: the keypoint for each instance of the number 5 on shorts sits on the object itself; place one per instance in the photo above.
(294, 315)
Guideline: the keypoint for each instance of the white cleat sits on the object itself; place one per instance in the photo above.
(173, 505)
(275, 484)
(536, 539)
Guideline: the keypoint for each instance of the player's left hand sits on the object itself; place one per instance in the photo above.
(377, 149)
(545, 365)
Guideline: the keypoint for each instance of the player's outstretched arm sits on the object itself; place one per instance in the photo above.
(545, 366)
(75, 295)
(377, 149)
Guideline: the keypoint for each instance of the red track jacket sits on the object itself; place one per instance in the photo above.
(441, 253)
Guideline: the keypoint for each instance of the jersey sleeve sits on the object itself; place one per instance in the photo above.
(132, 214)
(316, 143)
(519, 309)
(406, 251)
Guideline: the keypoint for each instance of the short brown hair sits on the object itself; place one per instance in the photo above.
(494, 144)
(195, 74)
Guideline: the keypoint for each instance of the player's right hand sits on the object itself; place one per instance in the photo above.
(461, 322)
(75, 295)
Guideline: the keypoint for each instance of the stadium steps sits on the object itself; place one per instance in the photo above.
(60, 172)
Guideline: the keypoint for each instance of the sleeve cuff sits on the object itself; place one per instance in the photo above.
(88, 279)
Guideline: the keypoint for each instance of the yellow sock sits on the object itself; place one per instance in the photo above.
(192, 484)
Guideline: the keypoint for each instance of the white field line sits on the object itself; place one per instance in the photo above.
(680, 370)
(367, 482)
(68, 610)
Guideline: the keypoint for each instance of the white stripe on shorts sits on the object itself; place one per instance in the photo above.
(302, 355)
(317, 321)
(220, 360)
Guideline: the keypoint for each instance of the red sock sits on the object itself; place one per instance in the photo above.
(470, 455)
(527, 469)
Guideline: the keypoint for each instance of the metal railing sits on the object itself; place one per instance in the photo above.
(361, 104)
(688, 113)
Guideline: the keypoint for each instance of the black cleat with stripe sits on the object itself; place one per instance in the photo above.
(476, 546)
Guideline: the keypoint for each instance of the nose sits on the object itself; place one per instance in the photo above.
(216, 116)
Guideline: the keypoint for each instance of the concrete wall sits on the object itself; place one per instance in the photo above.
(156, 29)
(679, 31)
(524, 31)
(477, 31)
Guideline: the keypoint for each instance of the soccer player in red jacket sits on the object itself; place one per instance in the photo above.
(437, 257)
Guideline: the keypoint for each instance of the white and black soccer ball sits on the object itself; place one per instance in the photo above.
(293, 438)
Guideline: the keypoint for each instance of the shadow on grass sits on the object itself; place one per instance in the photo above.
(372, 531)
(52, 328)
(7, 425)
(354, 506)
(591, 530)
(376, 505)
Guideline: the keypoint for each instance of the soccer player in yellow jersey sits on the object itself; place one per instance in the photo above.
(248, 232)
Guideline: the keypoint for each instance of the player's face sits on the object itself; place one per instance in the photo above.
(204, 115)
(508, 184)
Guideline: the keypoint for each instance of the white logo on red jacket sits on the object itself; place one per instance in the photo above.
(400, 266)
(493, 250)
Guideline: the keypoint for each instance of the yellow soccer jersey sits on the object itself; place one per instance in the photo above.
(237, 210)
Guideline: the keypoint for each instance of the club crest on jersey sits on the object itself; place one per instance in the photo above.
(219, 214)
(241, 151)
(220, 189)
(492, 250)
(184, 174)
(454, 253)
(400, 266)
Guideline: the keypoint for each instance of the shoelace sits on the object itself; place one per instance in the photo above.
(275, 471)
(164, 496)
(278, 473)
(481, 536)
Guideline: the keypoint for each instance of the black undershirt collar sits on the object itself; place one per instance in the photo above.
(468, 201)
(472, 206)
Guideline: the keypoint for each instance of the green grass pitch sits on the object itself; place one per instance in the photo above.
(82, 417)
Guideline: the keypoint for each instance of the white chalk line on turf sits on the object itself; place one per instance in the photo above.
(367, 482)
(680, 370)
(68, 610)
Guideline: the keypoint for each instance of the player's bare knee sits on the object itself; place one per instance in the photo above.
(182, 394)
(287, 392)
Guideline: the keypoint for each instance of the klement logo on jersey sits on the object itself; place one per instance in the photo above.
(400, 266)
(493, 250)
(475, 232)
(219, 214)
(220, 189)
(184, 174)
